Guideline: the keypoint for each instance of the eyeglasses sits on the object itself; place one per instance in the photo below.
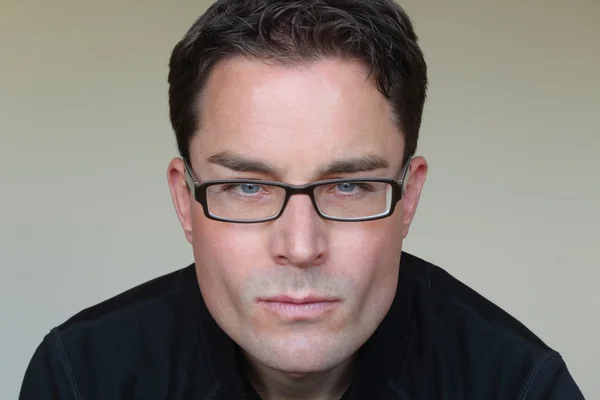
(255, 200)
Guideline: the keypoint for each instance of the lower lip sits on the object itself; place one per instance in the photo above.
(303, 311)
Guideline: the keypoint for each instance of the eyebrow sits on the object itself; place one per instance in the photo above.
(239, 163)
(355, 164)
(352, 165)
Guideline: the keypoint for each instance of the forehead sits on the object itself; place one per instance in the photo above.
(295, 117)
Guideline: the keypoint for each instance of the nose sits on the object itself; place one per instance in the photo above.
(299, 235)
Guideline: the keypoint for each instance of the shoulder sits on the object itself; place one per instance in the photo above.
(452, 303)
(470, 343)
(133, 304)
(145, 335)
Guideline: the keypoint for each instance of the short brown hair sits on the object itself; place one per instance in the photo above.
(375, 32)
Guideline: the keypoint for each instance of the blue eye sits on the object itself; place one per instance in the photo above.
(346, 187)
(249, 188)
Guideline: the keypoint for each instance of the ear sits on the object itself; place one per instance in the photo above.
(417, 174)
(181, 195)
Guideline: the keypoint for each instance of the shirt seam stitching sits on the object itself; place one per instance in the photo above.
(114, 313)
(533, 373)
(67, 366)
(485, 322)
(399, 391)
(468, 307)
(213, 392)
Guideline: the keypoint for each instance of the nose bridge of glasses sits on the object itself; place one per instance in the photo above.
(306, 190)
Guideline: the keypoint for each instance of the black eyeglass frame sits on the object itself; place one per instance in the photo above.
(199, 190)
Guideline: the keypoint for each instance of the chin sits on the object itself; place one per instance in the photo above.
(300, 353)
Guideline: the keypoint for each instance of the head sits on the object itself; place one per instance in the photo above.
(298, 92)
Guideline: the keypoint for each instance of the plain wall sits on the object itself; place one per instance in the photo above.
(511, 131)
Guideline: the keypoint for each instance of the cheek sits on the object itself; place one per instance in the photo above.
(225, 254)
(227, 246)
(370, 253)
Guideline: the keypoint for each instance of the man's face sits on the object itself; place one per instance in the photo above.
(296, 121)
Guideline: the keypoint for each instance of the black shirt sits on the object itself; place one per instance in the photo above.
(440, 340)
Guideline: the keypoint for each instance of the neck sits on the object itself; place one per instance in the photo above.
(272, 384)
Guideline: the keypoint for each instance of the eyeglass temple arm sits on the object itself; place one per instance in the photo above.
(406, 174)
(190, 178)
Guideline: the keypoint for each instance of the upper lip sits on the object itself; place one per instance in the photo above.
(298, 300)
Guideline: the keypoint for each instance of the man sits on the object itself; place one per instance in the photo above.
(297, 124)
